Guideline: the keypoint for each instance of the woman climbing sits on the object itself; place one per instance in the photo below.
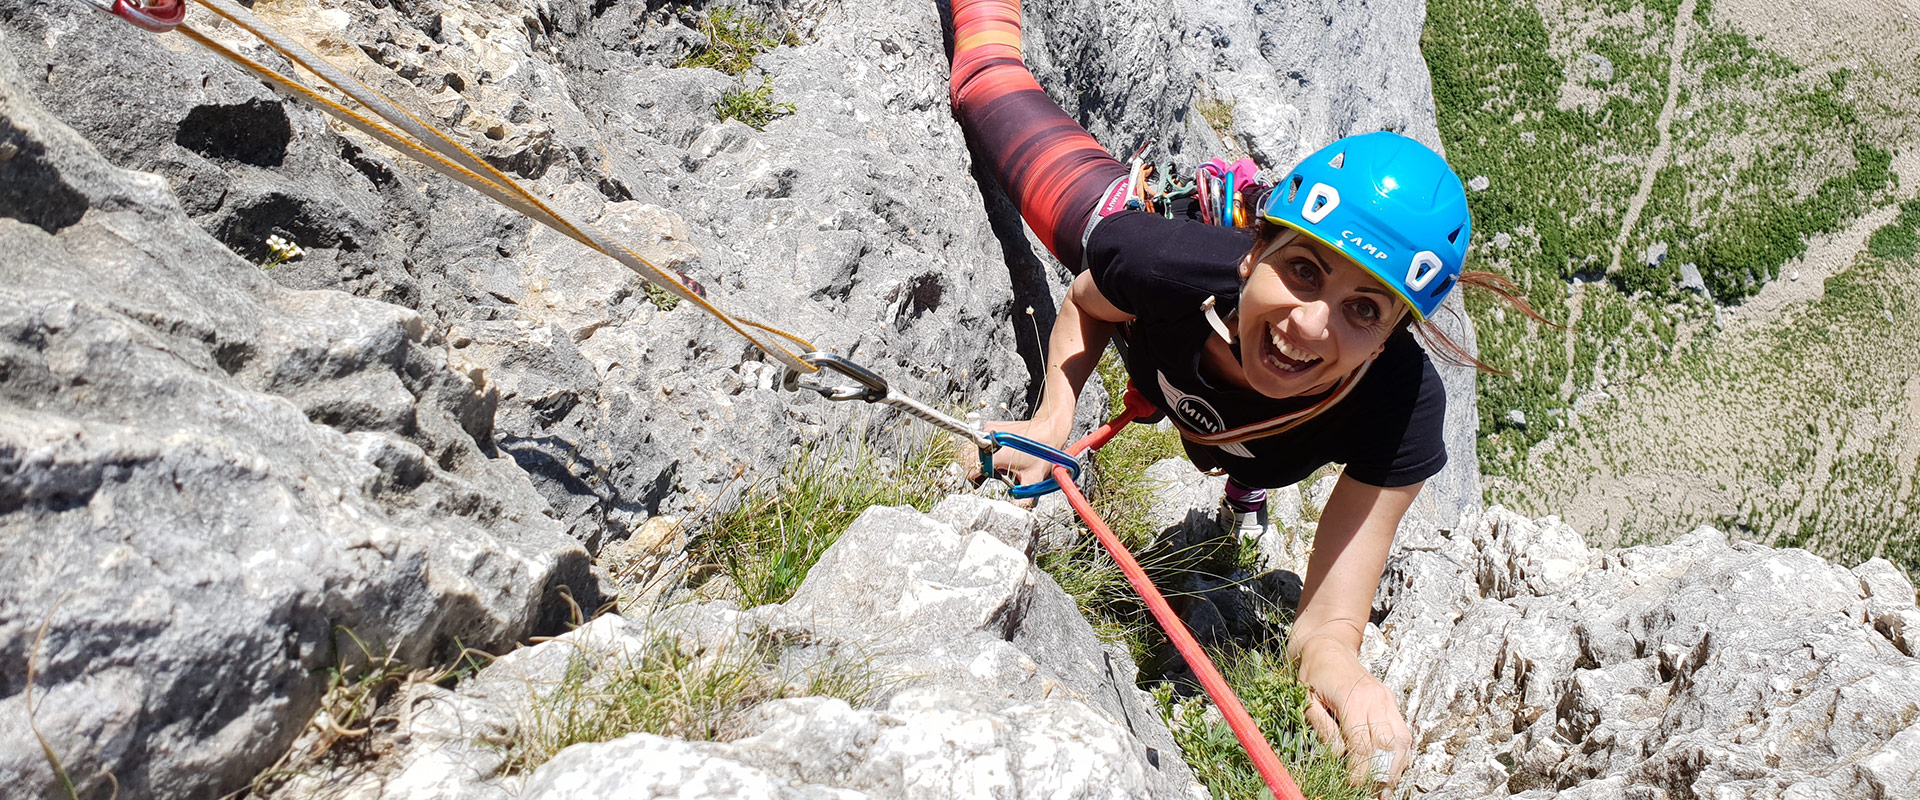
(1274, 352)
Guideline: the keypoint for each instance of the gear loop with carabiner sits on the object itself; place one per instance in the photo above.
(872, 388)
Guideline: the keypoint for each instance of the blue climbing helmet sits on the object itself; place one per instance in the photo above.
(1389, 204)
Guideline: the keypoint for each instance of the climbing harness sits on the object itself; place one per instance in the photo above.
(1226, 194)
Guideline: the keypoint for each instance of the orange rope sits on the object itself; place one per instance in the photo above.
(1244, 728)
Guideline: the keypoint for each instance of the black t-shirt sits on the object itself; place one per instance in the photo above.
(1387, 431)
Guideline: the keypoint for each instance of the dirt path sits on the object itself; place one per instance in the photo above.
(1676, 74)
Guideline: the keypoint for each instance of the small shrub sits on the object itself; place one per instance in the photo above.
(733, 42)
(1893, 241)
(755, 107)
(1217, 113)
(1901, 237)
(660, 298)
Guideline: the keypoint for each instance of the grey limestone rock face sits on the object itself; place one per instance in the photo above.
(406, 432)
(1535, 667)
(211, 484)
(995, 687)
(854, 223)
(858, 221)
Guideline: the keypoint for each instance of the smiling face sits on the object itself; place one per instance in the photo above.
(1309, 317)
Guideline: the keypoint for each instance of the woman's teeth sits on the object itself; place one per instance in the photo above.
(1285, 357)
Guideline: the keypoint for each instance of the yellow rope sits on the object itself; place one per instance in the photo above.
(475, 173)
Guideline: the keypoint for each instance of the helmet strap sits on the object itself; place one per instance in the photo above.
(1214, 321)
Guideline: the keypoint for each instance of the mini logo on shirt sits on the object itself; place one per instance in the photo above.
(1193, 413)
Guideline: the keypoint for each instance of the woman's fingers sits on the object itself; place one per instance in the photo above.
(1008, 463)
(1365, 726)
(1325, 725)
(1375, 735)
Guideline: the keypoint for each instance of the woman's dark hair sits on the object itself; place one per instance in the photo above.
(1437, 342)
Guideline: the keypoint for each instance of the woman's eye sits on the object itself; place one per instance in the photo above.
(1303, 270)
(1365, 310)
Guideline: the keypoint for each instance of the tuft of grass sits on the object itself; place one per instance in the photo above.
(765, 544)
(755, 107)
(358, 688)
(660, 298)
(1217, 113)
(1276, 699)
(674, 687)
(733, 42)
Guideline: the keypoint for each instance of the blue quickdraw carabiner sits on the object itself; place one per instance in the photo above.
(1035, 449)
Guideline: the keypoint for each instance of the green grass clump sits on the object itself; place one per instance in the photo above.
(1276, 699)
(765, 544)
(659, 297)
(1738, 191)
(673, 687)
(733, 42)
(1218, 115)
(755, 107)
(1899, 238)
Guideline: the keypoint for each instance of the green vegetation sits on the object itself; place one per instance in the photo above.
(1797, 434)
(733, 42)
(1217, 113)
(1759, 155)
(1899, 238)
(660, 298)
(1265, 683)
(765, 544)
(676, 687)
(1275, 698)
(362, 682)
(755, 107)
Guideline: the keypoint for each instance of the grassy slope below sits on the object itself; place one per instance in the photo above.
(1794, 424)
(1805, 432)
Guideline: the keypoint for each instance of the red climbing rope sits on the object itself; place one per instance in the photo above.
(1271, 770)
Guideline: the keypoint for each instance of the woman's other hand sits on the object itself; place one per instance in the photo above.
(1355, 714)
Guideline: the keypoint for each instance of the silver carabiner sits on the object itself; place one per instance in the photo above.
(872, 388)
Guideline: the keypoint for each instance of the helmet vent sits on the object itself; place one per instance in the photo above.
(1293, 190)
(1445, 286)
(1454, 237)
(1339, 160)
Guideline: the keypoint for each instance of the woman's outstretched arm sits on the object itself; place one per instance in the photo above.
(1354, 712)
(1080, 333)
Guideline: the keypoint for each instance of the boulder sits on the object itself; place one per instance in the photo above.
(988, 683)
